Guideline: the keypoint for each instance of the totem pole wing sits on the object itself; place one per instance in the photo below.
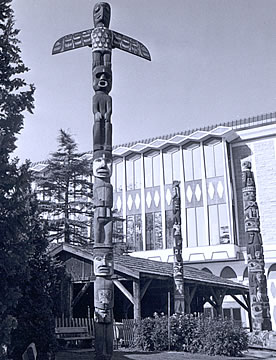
(72, 41)
(130, 45)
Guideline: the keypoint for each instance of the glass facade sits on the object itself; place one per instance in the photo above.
(200, 167)
(134, 233)
(154, 239)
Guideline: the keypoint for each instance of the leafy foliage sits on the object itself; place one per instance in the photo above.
(191, 334)
(66, 188)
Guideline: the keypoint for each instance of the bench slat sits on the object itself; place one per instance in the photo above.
(70, 330)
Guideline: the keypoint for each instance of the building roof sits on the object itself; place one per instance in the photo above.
(139, 267)
(224, 130)
(254, 121)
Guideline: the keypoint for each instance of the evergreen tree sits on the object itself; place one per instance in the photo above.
(40, 295)
(15, 97)
(66, 188)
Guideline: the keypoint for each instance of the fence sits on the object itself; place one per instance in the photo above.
(128, 331)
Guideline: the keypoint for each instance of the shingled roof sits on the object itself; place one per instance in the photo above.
(139, 267)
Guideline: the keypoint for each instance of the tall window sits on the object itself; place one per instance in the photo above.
(213, 155)
(133, 173)
(148, 171)
(119, 175)
(196, 234)
(152, 170)
(154, 231)
(129, 175)
(137, 173)
(156, 170)
(192, 163)
(218, 224)
(171, 166)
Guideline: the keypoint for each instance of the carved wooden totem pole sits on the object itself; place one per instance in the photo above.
(179, 304)
(259, 301)
(102, 40)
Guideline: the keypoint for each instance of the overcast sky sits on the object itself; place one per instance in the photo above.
(212, 61)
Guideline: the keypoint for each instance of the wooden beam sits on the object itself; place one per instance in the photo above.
(246, 299)
(240, 302)
(80, 294)
(210, 301)
(121, 287)
(145, 288)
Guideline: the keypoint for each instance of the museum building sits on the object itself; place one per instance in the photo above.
(207, 164)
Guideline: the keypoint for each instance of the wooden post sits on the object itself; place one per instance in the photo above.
(169, 322)
(137, 300)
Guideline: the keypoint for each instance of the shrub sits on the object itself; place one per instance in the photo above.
(224, 338)
(191, 334)
(151, 334)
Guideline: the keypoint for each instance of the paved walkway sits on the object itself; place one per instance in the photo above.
(168, 355)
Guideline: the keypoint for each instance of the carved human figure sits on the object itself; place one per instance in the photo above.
(101, 35)
(251, 210)
(102, 109)
(103, 201)
(103, 260)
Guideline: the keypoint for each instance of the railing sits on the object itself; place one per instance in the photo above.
(128, 331)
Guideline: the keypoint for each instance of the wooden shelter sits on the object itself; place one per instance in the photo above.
(142, 286)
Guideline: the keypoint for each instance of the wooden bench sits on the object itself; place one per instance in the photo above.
(73, 335)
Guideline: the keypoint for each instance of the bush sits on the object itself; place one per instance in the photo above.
(191, 334)
(223, 337)
(151, 334)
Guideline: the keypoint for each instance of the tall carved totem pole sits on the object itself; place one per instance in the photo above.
(259, 301)
(179, 303)
(102, 40)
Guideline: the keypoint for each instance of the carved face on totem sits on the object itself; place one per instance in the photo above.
(249, 196)
(103, 261)
(178, 270)
(101, 14)
(246, 165)
(102, 164)
(177, 229)
(102, 79)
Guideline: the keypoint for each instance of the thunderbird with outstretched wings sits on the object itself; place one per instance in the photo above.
(84, 38)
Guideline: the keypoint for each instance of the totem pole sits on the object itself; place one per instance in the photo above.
(179, 303)
(259, 301)
(102, 40)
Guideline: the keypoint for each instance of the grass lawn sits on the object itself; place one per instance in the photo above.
(135, 355)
